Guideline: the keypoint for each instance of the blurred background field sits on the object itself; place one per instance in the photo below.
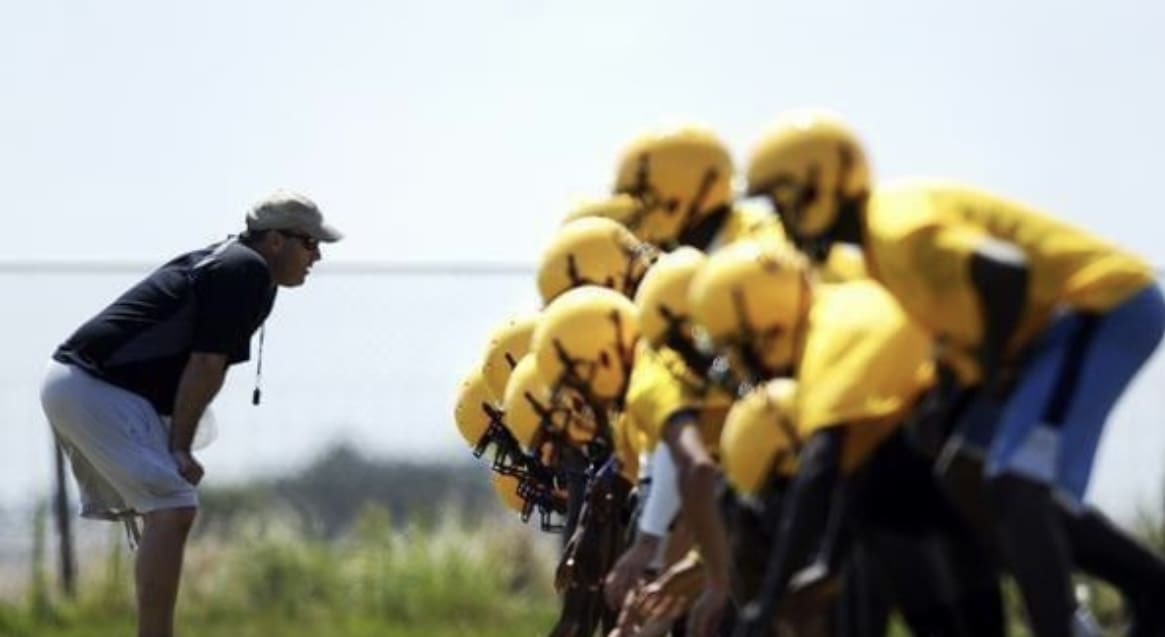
(347, 547)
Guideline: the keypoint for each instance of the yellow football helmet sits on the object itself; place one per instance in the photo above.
(679, 176)
(749, 300)
(507, 345)
(586, 340)
(506, 487)
(481, 423)
(811, 165)
(537, 415)
(625, 209)
(759, 437)
(470, 412)
(527, 401)
(533, 409)
(662, 298)
(593, 251)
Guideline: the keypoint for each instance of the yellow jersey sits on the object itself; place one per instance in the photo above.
(921, 234)
(629, 443)
(864, 365)
(662, 384)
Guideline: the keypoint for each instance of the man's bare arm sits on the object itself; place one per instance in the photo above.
(698, 474)
(200, 382)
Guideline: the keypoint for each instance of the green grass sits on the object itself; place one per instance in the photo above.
(266, 579)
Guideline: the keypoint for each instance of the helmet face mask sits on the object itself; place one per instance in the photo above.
(537, 415)
(482, 424)
(507, 457)
(547, 499)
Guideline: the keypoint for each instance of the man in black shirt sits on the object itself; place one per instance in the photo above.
(124, 394)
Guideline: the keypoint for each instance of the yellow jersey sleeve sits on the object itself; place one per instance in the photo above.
(661, 385)
(864, 365)
(629, 442)
(921, 233)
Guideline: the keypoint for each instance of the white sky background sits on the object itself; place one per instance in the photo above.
(439, 131)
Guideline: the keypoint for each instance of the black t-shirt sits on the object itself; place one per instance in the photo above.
(210, 300)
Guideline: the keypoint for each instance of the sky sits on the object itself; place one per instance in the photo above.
(460, 132)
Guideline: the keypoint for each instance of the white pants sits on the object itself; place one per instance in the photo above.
(118, 446)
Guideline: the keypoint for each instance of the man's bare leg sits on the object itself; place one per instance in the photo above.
(159, 566)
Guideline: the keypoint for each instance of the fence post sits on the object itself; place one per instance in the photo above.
(68, 558)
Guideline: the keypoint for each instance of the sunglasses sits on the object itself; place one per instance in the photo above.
(309, 242)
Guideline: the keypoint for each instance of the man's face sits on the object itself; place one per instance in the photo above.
(295, 253)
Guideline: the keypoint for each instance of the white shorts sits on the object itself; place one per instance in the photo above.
(117, 444)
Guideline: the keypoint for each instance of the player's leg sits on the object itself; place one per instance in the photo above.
(1101, 549)
(1047, 437)
(1120, 343)
(945, 581)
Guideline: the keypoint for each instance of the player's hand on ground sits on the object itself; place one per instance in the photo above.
(657, 603)
(188, 467)
(627, 572)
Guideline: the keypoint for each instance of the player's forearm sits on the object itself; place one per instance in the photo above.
(698, 489)
(697, 481)
(200, 382)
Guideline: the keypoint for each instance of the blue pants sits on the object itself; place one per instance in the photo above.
(1049, 428)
